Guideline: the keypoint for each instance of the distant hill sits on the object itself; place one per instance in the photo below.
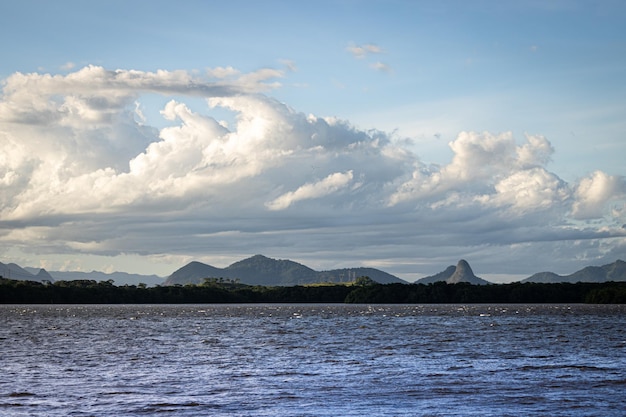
(441, 276)
(119, 278)
(193, 273)
(14, 271)
(610, 272)
(350, 274)
(261, 270)
(462, 272)
(43, 275)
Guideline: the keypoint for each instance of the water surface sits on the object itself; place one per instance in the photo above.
(312, 360)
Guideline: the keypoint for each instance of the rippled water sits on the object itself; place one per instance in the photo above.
(313, 360)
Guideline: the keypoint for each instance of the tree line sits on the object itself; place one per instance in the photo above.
(361, 291)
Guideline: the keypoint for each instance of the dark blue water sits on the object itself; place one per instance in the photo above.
(313, 360)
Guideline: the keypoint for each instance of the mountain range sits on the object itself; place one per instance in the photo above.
(260, 270)
(14, 271)
(610, 272)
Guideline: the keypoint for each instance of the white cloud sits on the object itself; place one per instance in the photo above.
(222, 72)
(68, 66)
(490, 169)
(322, 188)
(530, 190)
(478, 159)
(380, 66)
(361, 51)
(594, 192)
(536, 152)
(289, 64)
(81, 172)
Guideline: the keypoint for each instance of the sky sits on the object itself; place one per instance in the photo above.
(138, 136)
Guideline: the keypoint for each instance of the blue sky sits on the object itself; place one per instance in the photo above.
(138, 136)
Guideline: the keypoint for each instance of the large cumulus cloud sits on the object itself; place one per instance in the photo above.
(82, 170)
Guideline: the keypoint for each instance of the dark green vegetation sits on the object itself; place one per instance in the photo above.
(440, 292)
(212, 290)
(363, 290)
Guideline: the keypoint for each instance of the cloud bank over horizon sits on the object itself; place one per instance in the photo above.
(83, 171)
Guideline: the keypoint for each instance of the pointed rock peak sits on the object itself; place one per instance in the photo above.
(462, 273)
(43, 275)
(464, 267)
(42, 272)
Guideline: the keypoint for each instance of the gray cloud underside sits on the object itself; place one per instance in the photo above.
(81, 171)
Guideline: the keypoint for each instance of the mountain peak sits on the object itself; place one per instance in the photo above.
(453, 275)
(464, 266)
(43, 275)
(462, 273)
